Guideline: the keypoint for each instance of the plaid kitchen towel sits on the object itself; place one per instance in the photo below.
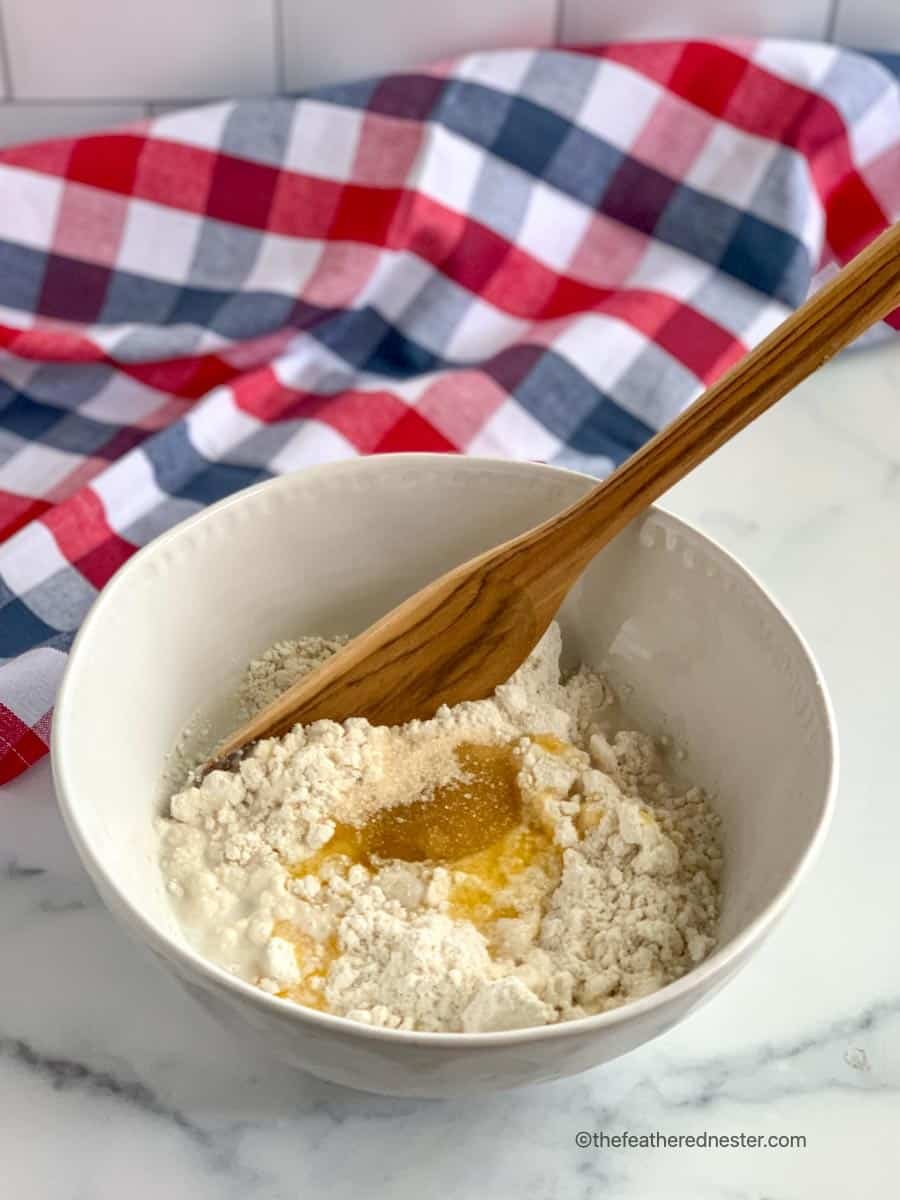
(534, 254)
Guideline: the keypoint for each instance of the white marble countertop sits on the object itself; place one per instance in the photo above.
(113, 1084)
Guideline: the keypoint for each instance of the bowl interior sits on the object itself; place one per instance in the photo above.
(692, 643)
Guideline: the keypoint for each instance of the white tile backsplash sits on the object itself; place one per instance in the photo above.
(113, 49)
(160, 108)
(72, 65)
(326, 40)
(29, 122)
(868, 24)
(602, 20)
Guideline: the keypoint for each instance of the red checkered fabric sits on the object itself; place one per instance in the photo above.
(533, 254)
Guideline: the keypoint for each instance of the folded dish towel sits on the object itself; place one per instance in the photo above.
(535, 254)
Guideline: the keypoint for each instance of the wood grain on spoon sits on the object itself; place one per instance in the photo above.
(466, 632)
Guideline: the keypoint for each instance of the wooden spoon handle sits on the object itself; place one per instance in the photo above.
(865, 291)
(467, 631)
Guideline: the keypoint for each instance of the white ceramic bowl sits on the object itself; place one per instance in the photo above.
(691, 639)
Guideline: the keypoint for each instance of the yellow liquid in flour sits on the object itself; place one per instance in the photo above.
(473, 825)
(459, 819)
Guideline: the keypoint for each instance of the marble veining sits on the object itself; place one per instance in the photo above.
(112, 1082)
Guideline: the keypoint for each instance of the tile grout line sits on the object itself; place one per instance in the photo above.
(831, 22)
(558, 22)
(5, 61)
(278, 35)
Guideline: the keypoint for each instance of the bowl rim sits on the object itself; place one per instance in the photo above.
(214, 976)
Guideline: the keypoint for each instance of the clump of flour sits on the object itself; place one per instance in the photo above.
(626, 902)
(281, 665)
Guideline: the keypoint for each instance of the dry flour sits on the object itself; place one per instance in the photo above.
(606, 891)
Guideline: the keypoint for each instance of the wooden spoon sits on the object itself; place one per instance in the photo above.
(466, 632)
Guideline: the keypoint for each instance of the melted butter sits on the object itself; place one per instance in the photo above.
(313, 959)
(550, 742)
(487, 890)
(460, 818)
(346, 842)
(590, 816)
(474, 824)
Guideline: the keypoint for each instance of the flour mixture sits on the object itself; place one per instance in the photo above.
(511, 862)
